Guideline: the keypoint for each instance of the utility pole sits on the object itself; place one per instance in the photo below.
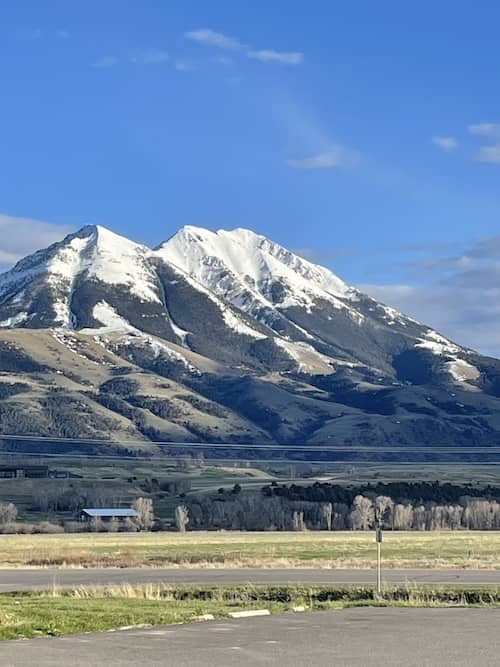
(378, 537)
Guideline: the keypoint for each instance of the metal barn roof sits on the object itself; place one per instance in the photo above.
(109, 511)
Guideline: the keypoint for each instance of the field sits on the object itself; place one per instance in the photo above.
(121, 481)
(462, 549)
(87, 609)
(118, 481)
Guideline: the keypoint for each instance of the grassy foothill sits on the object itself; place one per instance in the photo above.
(460, 549)
(87, 609)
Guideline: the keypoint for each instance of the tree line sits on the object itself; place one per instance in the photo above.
(278, 511)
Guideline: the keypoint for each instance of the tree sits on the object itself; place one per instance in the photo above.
(298, 521)
(8, 513)
(403, 517)
(383, 511)
(181, 518)
(145, 514)
(113, 525)
(327, 514)
(96, 525)
(362, 513)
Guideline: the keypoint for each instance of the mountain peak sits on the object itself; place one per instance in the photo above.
(240, 261)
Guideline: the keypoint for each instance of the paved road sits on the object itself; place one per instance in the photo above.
(351, 637)
(33, 579)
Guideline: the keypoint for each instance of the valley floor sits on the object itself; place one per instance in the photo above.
(457, 549)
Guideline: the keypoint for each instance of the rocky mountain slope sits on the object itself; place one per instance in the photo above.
(224, 337)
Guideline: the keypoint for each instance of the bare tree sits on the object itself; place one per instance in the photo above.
(145, 513)
(8, 513)
(403, 517)
(298, 521)
(384, 511)
(181, 518)
(327, 514)
(96, 525)
(362, 514)
(113, 525)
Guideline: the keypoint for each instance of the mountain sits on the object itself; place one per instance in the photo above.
(224, 337)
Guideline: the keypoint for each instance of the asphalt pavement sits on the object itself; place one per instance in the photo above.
(35, 579)
(375, 637)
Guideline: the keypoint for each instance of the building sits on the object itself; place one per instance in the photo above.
(22, 471)
(107, 513)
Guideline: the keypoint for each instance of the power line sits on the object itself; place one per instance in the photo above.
(275, 461)
(451, 449)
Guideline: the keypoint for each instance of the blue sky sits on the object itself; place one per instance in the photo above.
(364, 134)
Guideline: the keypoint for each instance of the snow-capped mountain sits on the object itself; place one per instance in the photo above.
(279, 348)
(251, 271)
(300, 301)
(40, 288)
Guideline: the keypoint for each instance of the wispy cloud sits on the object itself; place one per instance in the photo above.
(269, 55)
(336, 156)
(63, 34)
(22, 236)
(446, 144)
(468, 315)
(149, 57)
(220, 40)
(106, 61)
(213, 38)
(457, 293)
(485, 129)
(489, 154)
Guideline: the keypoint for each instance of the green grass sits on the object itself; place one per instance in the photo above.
(60, 612)
(462, 549)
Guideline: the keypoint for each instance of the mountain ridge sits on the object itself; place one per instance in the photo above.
(269, 339)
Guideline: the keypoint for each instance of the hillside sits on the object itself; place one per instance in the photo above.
(224, 337)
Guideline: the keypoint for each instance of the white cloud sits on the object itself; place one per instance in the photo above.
(21, 236)
(106, 61)
(336, 156)
(269, 55)
(218, 39)
(213, 38)
(489, 154)
(149, 57)
(485, 129)
(446, 144)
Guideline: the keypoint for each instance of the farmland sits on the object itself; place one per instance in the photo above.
(462, 549)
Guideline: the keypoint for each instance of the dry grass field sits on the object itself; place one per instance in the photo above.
(462, 549)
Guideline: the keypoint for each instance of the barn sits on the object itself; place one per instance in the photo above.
(107, 513)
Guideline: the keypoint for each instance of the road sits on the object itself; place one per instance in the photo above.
(351, 637)
(34, 579)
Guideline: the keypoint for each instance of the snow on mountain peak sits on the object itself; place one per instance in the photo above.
(93, 251)
(116, 260)
(229, 261)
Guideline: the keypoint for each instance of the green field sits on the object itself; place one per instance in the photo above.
(463, 549)
(87, 609)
